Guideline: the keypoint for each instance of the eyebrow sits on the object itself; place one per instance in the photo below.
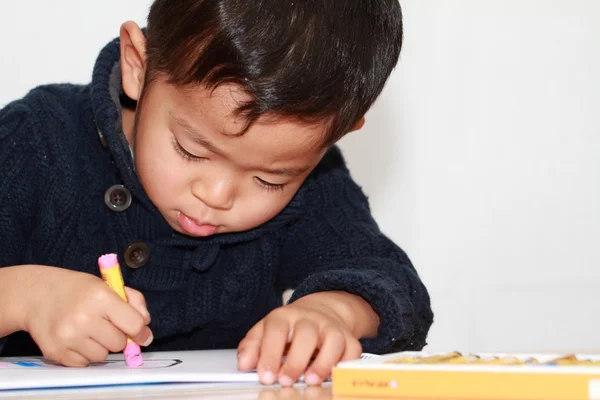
(198, 138)
(287, 171)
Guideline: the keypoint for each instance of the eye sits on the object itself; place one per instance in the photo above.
(268, 185)
(186, 155)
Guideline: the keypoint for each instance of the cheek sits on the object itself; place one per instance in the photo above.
(158, 167)
(261, 208)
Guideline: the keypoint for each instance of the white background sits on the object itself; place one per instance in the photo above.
(480, 158)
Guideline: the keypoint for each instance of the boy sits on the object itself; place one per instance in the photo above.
(202, 154)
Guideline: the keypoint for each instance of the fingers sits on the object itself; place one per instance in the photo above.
(353, 350)
(129, 321)
(138, 301)
(54, 349)
(274, 340)
(109, 336)
(249, 348)
(72, 359)
(306, 333)
(304, 342)
(92, 351)
(334, 346)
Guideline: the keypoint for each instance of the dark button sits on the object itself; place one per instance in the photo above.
(204, 257)
(117, 198)
(102, 139)
(137, 255)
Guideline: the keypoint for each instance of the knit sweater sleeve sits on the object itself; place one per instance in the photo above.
(22, 161)
(338, 246)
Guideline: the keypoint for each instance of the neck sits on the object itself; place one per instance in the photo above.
(128, 121)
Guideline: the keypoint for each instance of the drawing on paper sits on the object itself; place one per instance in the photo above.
(39, 362)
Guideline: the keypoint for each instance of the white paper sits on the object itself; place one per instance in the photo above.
(180, 391)
(213, 366)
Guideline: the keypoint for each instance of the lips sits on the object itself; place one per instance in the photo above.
(193, 228)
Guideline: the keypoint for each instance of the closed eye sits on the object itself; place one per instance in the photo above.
(186, 155)
(268, 185)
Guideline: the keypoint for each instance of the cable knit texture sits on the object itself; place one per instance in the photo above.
(62, 147)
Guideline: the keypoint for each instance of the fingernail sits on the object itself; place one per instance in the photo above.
(149, 340)
(285, 381)
(267, 378)
(312, 379)
(241, 357)
(148, 316)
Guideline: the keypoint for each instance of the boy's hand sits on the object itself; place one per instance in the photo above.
(324, 325)
(75, 318)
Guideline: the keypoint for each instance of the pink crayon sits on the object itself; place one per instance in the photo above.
(111, 274)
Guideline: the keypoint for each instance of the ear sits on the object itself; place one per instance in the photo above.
(133, 59)
(358, 125)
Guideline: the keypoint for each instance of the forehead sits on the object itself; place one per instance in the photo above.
(213, 113)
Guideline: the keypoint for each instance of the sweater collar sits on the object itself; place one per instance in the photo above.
(106, 92)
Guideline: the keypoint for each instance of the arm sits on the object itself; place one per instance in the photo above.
(353, 310)
(337, 246)
(21, 168)
(73, 317)
(12, 303)
(23, 161)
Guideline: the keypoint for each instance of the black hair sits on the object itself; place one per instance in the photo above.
(318, 60)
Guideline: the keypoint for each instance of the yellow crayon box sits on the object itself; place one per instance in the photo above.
(469, 376)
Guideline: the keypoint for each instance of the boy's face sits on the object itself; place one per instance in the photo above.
(204, 179)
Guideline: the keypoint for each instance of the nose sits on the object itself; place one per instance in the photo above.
(216, 193)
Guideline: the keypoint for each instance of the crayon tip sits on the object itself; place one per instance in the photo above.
(133, 355)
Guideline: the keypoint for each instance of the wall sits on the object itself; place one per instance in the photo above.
(480, 158)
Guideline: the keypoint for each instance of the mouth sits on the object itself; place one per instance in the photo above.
(193, 227)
